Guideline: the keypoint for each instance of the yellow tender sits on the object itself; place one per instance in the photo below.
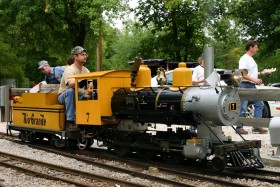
(39, 111)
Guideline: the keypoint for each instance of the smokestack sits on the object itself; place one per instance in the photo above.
(208, 55)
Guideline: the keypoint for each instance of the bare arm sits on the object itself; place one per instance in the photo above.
(249, 78)
(197, 82)
(71, 83)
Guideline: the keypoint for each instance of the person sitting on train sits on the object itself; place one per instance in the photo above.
(52, 74)
(66, 92)
(69, 61)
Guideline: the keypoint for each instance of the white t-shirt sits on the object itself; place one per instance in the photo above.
(198, 74)
(247, 62)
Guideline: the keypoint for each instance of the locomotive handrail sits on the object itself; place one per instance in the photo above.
(259, 94)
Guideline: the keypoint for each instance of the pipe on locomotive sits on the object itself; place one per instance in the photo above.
(230, 77)
(208, 55)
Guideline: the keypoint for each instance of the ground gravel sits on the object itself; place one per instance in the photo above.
(10, 177)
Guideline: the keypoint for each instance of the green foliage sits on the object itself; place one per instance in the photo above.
(131, 42)
(49, 29)
(224, 33)
(260, 20)
(270, 61)
(11, 65)
(181, 22)
(174, 30)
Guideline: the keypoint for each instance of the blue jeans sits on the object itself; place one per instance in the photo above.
(243, 108)
(68, 98)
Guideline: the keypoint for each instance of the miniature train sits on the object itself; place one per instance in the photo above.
(120, 106)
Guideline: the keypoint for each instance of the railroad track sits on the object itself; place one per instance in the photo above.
(205, 173)
(260, 175)
(126, 170)
(58, 172)
(186, 174)
(134, 174)
(183, 178)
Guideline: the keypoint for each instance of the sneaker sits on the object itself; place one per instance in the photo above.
(259, 130)
(241, 131)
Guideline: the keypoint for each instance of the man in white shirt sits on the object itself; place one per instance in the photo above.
(250, 80)
(198, 72)
(198, 79)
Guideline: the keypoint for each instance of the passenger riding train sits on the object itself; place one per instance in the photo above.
(119, 109)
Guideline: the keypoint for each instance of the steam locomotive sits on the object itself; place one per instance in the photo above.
(119, 109)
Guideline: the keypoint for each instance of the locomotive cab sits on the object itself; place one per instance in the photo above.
(95, 106)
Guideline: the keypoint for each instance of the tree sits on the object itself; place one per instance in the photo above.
(11, 66)
(131, 42)
(223, 33)
(260, 20)
(180, 20)
(50, 29)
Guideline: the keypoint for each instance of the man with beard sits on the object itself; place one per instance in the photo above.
(67, 85)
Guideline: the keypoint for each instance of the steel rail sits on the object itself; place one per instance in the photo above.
(63, 169)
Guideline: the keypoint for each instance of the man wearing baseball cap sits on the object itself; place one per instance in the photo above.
(52, 74)
(67, 85)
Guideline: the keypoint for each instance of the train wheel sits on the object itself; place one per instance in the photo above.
(172, 158)
(58, 142)
(27, 137)
(84, 144)
(90, 143)
(121, 151)
(218, 163)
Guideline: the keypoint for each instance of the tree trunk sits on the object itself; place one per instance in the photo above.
(99, 53)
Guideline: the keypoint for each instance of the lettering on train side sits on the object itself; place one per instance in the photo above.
(34, 120)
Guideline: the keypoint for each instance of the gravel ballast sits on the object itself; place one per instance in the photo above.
(10, 177)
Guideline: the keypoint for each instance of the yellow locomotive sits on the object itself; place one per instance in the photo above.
(119, 107)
